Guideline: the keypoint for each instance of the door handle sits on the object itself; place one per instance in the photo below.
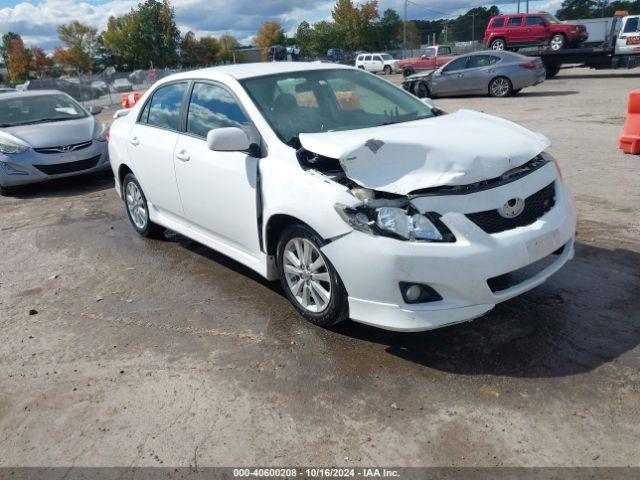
(183, 156)
(134, 141)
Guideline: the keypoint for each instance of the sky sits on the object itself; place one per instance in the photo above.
(37, 20)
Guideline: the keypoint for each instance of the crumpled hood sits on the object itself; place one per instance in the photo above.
(419, 75)
(54, 134)
(456, 149)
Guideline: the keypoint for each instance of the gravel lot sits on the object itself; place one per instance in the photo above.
(151, 353)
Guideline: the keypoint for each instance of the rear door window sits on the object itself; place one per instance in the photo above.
(164, 107)
(515, 22)
(477, 61)
(534, 21)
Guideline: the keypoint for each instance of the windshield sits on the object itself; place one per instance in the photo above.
(29, 110)
(330, 100)
(551, 18)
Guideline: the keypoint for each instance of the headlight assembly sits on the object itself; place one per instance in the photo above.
(10, 148)
(100, 132)
(400, 223)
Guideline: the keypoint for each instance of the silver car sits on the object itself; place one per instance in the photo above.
(46, 134)
(494, 73)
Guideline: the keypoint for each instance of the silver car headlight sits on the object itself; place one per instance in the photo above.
(10, 148)
(396, 222)
(100, 132)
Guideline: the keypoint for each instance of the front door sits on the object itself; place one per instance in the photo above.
(151, 145)
(218, 189)
(535, 30)
(451, 79)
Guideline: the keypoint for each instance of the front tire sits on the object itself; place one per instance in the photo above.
(137, 208)
(500, 87)
(308, 279)
(498, 44)
(421, 89)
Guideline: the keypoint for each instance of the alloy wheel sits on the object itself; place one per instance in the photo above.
(557, 42)
(307, 275)
(136, 205)
(498, 45)
(500, 87)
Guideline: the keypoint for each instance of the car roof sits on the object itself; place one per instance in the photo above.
(241, 71)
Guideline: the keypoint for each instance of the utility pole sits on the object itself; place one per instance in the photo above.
(473, 31)
(404, 35)
(518, 6)
(446, 32)
(527, 6)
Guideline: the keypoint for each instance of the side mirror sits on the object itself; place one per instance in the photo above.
(95, 110)
(230, 139)
(121, 113)
(428, 102)
(423, 57)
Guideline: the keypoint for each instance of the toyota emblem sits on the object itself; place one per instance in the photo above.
(512, 208)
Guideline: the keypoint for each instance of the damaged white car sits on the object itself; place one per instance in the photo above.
(364, 201)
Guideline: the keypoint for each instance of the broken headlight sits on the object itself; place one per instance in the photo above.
(400, 223)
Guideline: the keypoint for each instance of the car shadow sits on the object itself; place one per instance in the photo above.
(583, 317)
(578, 76)
(65, 187)
(559, 93)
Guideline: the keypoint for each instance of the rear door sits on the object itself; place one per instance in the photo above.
(479, 72)
(515, 30)
(218, 189)
(535, 28)
(151, 145)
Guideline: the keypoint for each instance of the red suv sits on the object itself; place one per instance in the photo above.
(509, 32)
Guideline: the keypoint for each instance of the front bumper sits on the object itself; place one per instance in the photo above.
(371, 267)
(28, 162)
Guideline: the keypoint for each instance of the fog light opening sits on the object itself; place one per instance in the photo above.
(418, 293)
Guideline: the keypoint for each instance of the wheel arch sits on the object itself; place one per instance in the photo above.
(276, 225)
(123, 171)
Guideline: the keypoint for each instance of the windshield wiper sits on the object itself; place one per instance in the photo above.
(45, 120)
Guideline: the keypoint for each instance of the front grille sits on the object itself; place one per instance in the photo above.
(64, 148)
(69, 167)
(535, 207)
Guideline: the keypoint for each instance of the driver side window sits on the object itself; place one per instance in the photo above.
(211, 107)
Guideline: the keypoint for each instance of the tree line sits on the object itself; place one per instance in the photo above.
(148, 37)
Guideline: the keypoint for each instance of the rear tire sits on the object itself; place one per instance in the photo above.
(500, 87)
(387, 70)
(137, 208)
(308, 279)
(558, 42)
(552, 70)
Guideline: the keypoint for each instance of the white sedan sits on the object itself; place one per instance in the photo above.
(365, 202)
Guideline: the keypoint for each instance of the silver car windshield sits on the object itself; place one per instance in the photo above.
(330, 100)
(29, 110)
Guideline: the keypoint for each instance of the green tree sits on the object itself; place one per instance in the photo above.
(390, 26)
(144, 37)
(354, 25)
(208, 51)
(81, 42)
(189, 50)
(229, 49)
(574, 9)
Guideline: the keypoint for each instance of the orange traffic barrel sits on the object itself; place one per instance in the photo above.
(130, 99)
(629, 141)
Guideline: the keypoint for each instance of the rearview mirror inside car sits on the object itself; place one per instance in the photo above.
(230, 139)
